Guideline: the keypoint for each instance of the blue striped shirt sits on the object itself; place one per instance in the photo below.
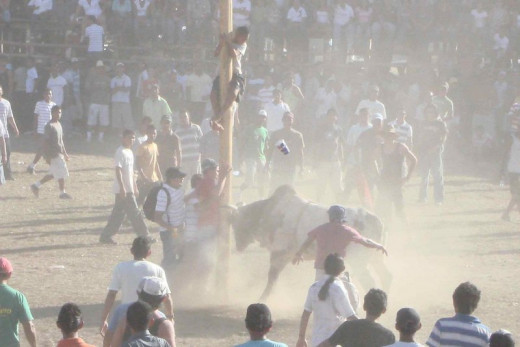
(459, 331)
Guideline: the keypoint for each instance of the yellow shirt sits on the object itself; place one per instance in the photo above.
(147, 154)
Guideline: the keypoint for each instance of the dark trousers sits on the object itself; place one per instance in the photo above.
(172, 247)
(125, 206)
(7, 166)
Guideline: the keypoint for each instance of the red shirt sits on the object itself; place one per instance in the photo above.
(207, 193)
(77, 342)
(332, 238)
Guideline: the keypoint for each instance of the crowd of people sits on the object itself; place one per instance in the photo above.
(363, 93)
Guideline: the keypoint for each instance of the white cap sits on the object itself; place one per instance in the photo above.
(99, 63)
(74, 60)
(377, 116)
(153, 286)
(262, 113)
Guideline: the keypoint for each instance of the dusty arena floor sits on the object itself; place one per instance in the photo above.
(53, 245)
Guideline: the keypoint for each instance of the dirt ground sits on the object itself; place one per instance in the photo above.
(53, 245)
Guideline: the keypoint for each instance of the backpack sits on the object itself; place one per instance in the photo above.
(150, 202)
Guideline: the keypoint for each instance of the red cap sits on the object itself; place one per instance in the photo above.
(5, 266)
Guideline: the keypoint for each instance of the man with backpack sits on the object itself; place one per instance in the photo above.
(170, 214)
(125, 190)
(152, 291)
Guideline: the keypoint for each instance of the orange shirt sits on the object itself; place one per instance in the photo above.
(74, 342)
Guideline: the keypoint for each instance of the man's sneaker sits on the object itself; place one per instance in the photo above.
(35, 190)
(31, 170)
(65, 196)
(107, 241)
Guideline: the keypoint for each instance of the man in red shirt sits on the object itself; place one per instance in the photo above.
(333, 237)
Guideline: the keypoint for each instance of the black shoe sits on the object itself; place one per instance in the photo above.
(107, 241)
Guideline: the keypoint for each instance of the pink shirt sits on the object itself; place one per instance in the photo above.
(332, 238)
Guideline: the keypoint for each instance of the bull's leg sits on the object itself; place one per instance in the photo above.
(278, 262)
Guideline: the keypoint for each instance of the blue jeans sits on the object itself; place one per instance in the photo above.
(172, 247)
(432, 163)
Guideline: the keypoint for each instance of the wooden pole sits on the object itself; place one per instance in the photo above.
(226, 155)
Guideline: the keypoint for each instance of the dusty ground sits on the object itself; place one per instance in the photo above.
(53, 247)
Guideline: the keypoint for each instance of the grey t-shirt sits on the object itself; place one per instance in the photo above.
(362, 333)
(53, 140)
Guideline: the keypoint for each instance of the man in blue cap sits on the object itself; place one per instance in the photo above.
(333, 237)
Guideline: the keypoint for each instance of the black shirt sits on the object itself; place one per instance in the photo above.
(362, 333)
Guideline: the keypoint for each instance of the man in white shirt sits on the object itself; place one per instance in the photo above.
(127, 276)
(95, 34)
(7, 119)
(170, 214)
(241, 13)
(198, 88)
(403, 129)
(343, 25)
(42, 116)
(374, 106)
(125, 190)
(56, 84)
(275, 111)
(121, 110)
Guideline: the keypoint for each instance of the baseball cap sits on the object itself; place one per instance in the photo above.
(120, 64)
(153, 286)
(174, 172)
(166, 118)
(5, 266)
(258, 317)
(99, 63)
(336, 212)
(407, 318)
(262, 113)
(378, 116)
(208, 164)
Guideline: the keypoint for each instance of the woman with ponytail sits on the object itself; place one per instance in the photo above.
(69, 322)
(329, 301)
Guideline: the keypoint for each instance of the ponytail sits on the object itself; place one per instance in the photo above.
(324, 291)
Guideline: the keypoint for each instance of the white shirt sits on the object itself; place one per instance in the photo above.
(199, 87)
(3, 130)
(325, 101)
(343, 14)
(240, 51)
(56, 84)
(404, 131)
(5, 113)
(265, 95)
(127, 276)
(501, 42)
(354, 132)
(141, 10)
(123, 81)
(92, 9)
(175, 212)
(329, 313)
(296, 15)
(405, 344)
(275, 114)
(95, 33)
(43, 110)
(32, 75)
(241, 19)
(479, 18)
(373, 107)
(41, 6)
(124, 159)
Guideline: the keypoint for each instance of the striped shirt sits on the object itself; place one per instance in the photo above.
(459, 331)
(5, 112)
(95, 33)
(43, 111)
(175, 212)
(190, 142)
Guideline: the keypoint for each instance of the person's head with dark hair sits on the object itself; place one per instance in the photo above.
(47, 95)
(465, 298)
(128, 138)
(151, 133)
(174, 177)
(69, 320)
(407, 322)
(375, 303)
(143, 125)
(258, 321)
(195, 180)
(184, 118)
(501, 338)
(138, 316)
(333, 266)
(141, 247)
(336, 214)
(241, 35)
(56, 113)
(153, 291)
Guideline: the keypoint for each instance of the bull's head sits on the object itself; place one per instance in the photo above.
(245, 222)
